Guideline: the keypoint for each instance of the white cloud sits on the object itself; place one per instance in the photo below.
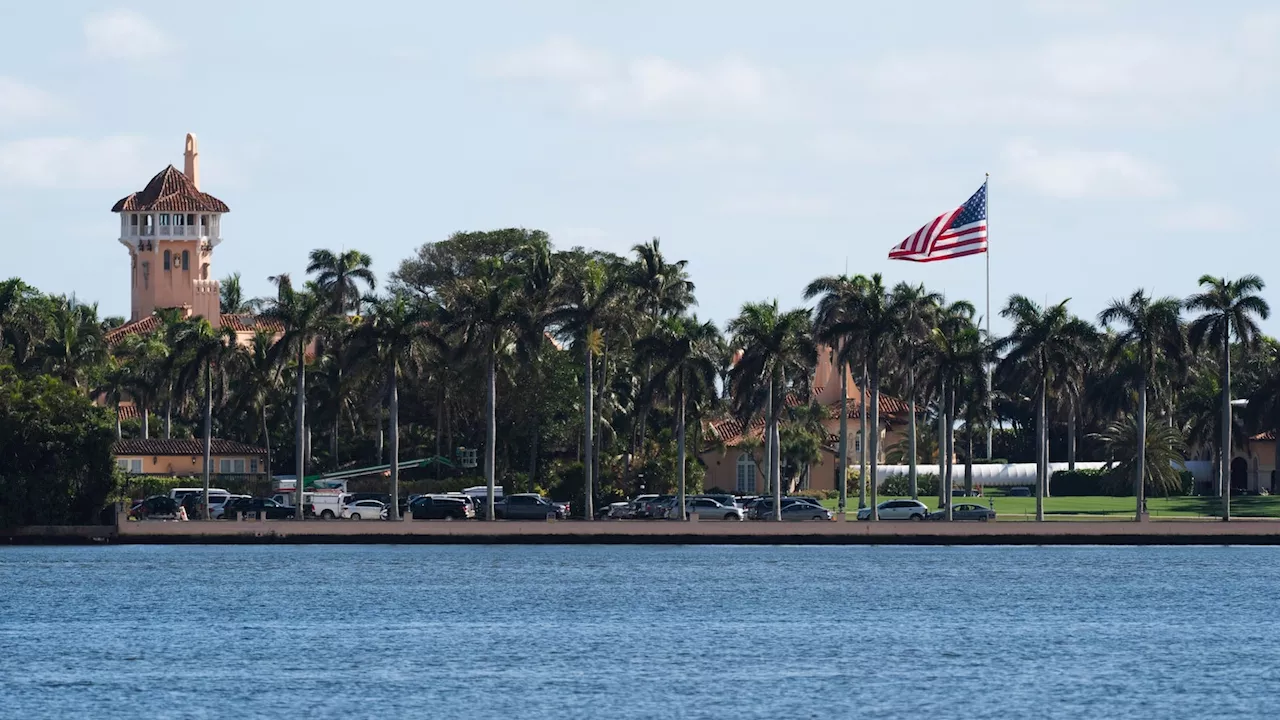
(711, 152)
(647, 86)
(124, 35)
(1081, 80)
(1203, 217)
(19, 102)
(1074, 173)
(110, 163)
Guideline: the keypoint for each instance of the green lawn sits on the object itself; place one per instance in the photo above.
(1092, 507)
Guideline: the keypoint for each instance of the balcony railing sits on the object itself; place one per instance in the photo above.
(185, 231)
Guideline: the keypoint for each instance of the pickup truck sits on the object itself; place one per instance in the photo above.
(528, 506)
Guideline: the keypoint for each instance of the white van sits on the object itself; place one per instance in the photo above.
(321, 504)
(482, 491)
(216, 495)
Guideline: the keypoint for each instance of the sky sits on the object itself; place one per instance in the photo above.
(1130, 144)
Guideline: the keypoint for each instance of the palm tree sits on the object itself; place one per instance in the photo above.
(918, 309)
(540, 277)
(231, 297)
(1161, 451)
(1227, 308)
(840, 296)
(1043, 341)
(146, 355)
(684, 351)
(200, 348)
(1152, 330)
(592, 295)
(777, 353)
(662, 289)
(257, 381)
(483, 309)
(958, 357)
(338, 277)
(872, 327)
(114, 388)
(302, 313)
(74, 345)
(395, 337)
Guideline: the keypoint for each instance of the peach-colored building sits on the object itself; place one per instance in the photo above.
(731, 468)
(1253, 467)
(170, 228)
(185, 457)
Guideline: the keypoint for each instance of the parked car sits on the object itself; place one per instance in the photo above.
(194, 503)
(708, 509)
(897, 510)
(256, 508)
(762, 506)
(637, 505)
(156, 507)
(365, 510)
(218, 504)
(436, 507)
(965, 511)
(649, 508)
(384, 498)
(726, 499)
(528, 506)
(796, 510)
(1019, 492)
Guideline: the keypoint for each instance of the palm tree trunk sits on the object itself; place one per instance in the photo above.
(875, 437)
(942, 445)
(680, 448)
(146, 421)
(120, 430)
(208, 434)
(300, 430)
(1042, 474)
(599, 408)
(266, 437)
(168, 412)
(951, 445)
(1071, 435)
(588, 444)
(490, 426)
(775, 464)
(842, 462)
(1226, 423)
(911, 432)
(1139, 481)
(862, 439)
(393, 402)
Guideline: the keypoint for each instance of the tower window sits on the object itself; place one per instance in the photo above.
(179, 219)
(133, 219)
(164, 218)
(186, 260)
(166, 259)
(191, 219)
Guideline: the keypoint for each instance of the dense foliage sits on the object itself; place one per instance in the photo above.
(569, 369)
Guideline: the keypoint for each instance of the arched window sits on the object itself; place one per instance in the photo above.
(166, 259)
(746, 475)
(186, 260)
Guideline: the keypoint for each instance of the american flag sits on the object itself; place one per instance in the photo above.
(952, 234)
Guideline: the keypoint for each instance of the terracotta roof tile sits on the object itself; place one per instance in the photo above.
(170, 191)
(1269, 435)
(249, 323)
(175, 446)
(128, 411)
(148, 324)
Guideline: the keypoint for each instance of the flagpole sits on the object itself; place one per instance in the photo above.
(990, 419)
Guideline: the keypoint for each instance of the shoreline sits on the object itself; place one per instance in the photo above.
(1012, 533)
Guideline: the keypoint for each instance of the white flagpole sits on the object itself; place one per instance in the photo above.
(990, 420)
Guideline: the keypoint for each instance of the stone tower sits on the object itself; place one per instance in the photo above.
(171, 229)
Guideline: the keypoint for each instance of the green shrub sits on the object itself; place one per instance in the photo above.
(818, 494)
(900, 485)
(1075, 483)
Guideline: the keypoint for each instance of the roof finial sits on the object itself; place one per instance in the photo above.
(191, 168)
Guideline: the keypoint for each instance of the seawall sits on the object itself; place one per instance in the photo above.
(1164, 532)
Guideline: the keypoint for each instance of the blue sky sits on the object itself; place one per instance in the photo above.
(1128, 142)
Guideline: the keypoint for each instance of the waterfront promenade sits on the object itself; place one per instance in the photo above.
(1110, 532)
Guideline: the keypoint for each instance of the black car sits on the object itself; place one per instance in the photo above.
(439, 508)
(257, 507)
(155, 507)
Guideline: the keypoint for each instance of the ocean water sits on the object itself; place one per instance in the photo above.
(639, 632)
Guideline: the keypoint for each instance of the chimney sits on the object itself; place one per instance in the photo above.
(191, 168)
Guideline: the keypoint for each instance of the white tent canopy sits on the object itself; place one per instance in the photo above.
(1014, 474)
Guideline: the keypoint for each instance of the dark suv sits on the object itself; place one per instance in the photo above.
(529, 507)
(257, 507)
(440, 508)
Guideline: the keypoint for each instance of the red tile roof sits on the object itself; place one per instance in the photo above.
(170, 191)
(249, 323)
(128, 411)
(1269, 435)
(238, 323)
(189, 446)
(148, 324)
